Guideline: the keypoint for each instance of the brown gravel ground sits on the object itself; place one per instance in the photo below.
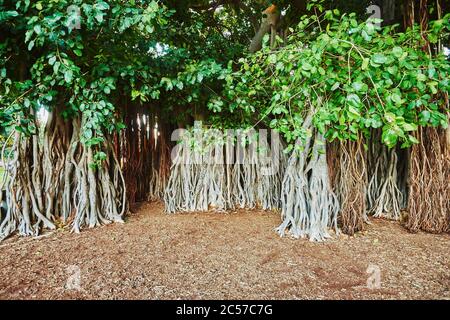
(223, 256)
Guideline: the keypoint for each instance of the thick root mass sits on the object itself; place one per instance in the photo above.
(428, 202)
(309, 206)
(51, 181)
(144, 152)
(221, 175)
(236, 172)
(350, 184)
(385, 196)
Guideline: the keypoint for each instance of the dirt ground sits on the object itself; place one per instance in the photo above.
(223, 256)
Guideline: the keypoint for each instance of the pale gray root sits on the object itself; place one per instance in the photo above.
(158, 175)
(270, 171)
(23, 213)
(388, 201)
(156, 186)
(308, 205)
(220, 177)
(51, 180)
(245, 173)
(384, 195)
(386, 192)
(197, 180)
(324, 205)
(99, 196)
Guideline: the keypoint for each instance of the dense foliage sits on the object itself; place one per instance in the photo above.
(353, 76)
(50, 63)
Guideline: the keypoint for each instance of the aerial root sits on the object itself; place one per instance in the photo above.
(222, 177)
(350, 185)
(428, 202)
(52, 182)
(309, 206)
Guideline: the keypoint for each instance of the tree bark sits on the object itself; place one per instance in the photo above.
(268, 24)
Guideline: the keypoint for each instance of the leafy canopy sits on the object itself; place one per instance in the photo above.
(48, 62)
(182, 58)
(352, 76)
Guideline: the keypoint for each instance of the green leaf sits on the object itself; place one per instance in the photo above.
(390, 117)
(4, 15)
(353, 112)
(134, 94)
(389, 137)
(168, 83)
(99, 17)
(56, 66)
(413, 139)
(396, 98)
(424, 117)
(365, 64)
(68, 75)
(101, 5)
(409, 127)
(379, 58)
(37, 29)
(272, 59)
(421, 77)
(397, 52)
(354, 100)
(393, 70)
(335, 86)
(358, 86)
(306, 66)
(87, 134)
(365, 35)
(30, 45)
(52, 60)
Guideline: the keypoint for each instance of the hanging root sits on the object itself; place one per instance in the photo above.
(52, 180)
(309, 206)
(243, 174)
(257, 171)
(222, 173)
(196, 183)
(428, 203)
(160, 164)
(403, 178)
(99, 191)
(384, 195)
(350, 184)
(144, 152)
(25, 211)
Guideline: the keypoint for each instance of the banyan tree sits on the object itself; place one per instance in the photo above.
(329, 112)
